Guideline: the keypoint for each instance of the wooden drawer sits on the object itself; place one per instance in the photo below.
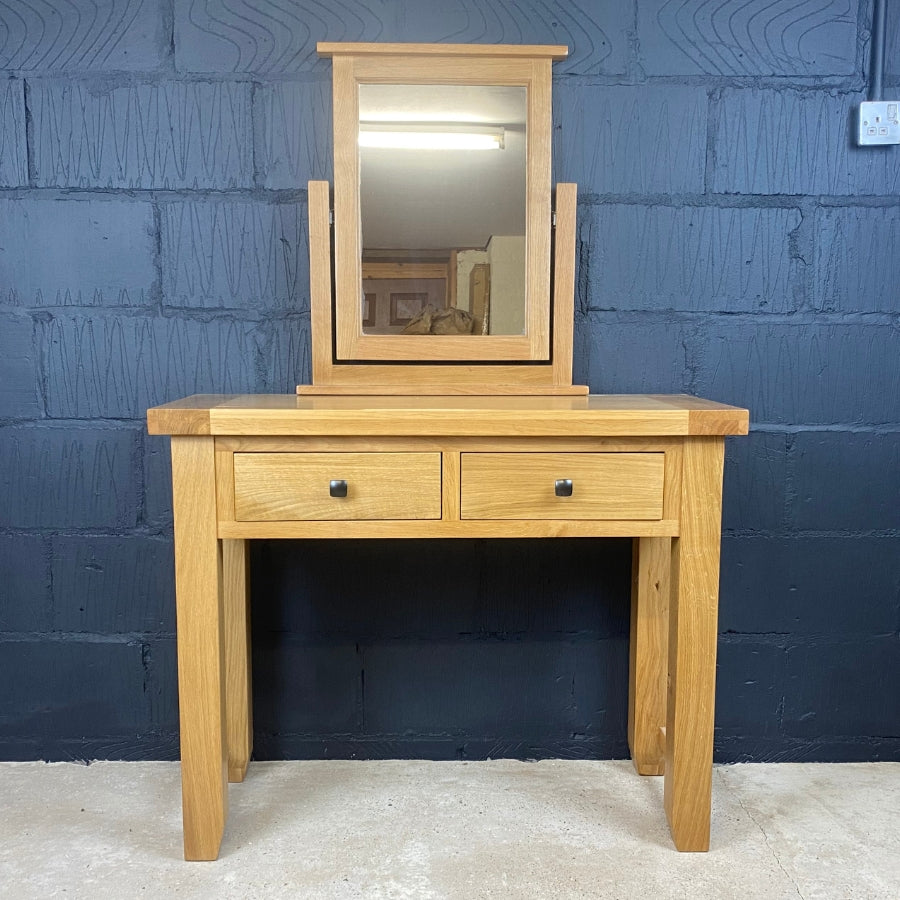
(522, 485)
(295, 486)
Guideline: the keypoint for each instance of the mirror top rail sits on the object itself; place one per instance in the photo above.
(530, 51)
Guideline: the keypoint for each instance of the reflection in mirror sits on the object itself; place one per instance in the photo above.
(442, 197)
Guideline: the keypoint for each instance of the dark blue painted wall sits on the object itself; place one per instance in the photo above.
(732, 243)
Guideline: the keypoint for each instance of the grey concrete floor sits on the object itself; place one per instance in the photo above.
(403, 829)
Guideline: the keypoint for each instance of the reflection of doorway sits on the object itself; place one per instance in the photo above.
(398, 291)
(480, 297)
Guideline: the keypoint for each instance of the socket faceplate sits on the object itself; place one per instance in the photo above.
(879, 123)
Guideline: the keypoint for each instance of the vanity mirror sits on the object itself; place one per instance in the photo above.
(437, 267)
(459, 152)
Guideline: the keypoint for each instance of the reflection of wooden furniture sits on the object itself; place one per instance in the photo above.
(480, 297)
(291, 467)
(402, 290)
(394, 270)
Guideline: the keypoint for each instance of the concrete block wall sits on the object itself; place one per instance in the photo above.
(154, 156)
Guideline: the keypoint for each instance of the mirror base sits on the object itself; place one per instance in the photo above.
(475, 390)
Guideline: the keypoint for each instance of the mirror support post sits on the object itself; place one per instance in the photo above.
(564, 283)
(320, 280)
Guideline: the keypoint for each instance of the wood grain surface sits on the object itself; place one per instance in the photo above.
(693, 616)
(295, 486)
(238, 690)
(648, 657)
(599, 415)
(522, 485)
(201, 647)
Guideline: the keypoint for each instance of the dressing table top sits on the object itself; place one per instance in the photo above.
(598, 415)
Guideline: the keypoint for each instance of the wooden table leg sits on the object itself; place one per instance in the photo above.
(648, 660)
(201, 668)
(238, 698)
(693, 615)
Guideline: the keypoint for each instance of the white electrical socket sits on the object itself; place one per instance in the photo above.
(879, 123)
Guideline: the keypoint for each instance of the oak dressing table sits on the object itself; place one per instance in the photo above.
(475, 432)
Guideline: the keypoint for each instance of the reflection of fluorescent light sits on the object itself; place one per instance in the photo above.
(420, 136)
(428, 140)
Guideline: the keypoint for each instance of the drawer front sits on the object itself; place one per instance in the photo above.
(296, 486)
(523, 485)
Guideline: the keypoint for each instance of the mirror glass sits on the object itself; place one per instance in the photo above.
(443, 208)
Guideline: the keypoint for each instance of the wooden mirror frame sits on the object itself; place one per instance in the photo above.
(345, 360)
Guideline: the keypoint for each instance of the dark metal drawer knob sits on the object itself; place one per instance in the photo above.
(563, 487)
(337, 488)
